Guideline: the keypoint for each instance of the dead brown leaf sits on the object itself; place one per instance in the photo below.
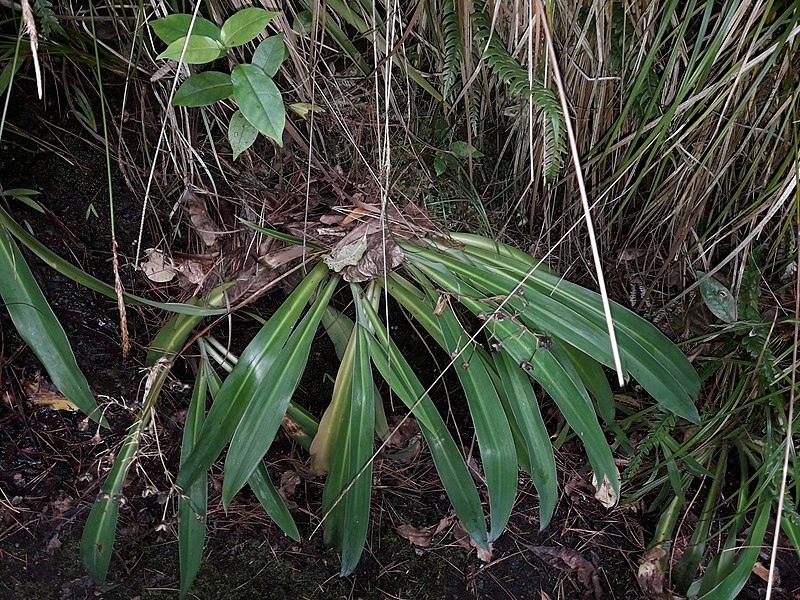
(763, 573)
(569, 561)
(465, 541)
(202, 221)
(421, 537)
(650, 574)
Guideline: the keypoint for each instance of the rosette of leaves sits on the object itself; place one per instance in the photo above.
(198, 41)
(534, 334)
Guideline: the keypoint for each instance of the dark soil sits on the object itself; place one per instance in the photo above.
(53, 461)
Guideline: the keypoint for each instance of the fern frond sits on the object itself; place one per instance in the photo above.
(509, 70)
(453, 44)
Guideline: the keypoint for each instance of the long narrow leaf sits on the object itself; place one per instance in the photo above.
(247, 379)
(525, 407)
(450, 465)
(193, 507)
(40, 329)
(266, 407)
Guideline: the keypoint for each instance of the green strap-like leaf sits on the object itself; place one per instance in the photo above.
(40, 329)
(259, 100)
(496, 444)
(552, 368)
(525, 407)
(248, 378)
(101, 526)
(268, 397)
(193, 507)
(450, 465)
(350, 516)
(79, 276)
(269, 498)
(595, 380)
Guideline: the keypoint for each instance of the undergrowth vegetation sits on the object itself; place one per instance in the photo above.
(426, 168)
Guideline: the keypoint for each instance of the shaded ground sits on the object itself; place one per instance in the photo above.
(53, 461)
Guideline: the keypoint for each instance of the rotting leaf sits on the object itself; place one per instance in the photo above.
(347, 254)
(569, 561)
(650, 574)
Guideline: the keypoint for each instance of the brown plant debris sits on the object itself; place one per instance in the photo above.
(570, 561)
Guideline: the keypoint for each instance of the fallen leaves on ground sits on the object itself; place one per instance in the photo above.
(570, 561)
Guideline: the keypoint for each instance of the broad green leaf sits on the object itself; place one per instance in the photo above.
(241, 135)
(259, 100)
(203, 89)
(496, 444)
(525, 407)
(101, 525)
(248, 378)
(595, 380)
(718, 299)
(269, 498)
(39, 328)
(266, 407)
(349, 515)
(270, 54)
(463, 149)
(200, 49)
(193, 507)
(552, 368)
(174, 27)
(450, 465)
(245, 25)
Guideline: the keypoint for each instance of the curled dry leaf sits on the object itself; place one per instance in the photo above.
(569, 561)
(605, 493)
(762, 573)
(650, 574)
(422, 537)
(157, 266)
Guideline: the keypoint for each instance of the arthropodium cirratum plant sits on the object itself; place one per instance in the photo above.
(538, 328)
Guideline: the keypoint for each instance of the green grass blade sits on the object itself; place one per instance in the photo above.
(193, 507)
(449, 462)
(525, 407)
(268, 398)
(247, 379)
(40, 329)
(736, 577)
(269, 498)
